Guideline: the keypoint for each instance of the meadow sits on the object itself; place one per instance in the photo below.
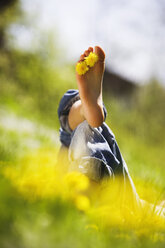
(43, 206)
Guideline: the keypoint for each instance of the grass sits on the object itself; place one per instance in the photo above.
(44, 207)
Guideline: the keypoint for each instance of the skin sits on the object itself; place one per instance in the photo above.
(90, 105)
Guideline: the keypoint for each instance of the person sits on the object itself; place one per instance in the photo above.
(90, 144)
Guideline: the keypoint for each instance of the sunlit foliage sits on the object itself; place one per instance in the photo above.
(41, 204)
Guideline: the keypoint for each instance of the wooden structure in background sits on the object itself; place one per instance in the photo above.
(118, 85)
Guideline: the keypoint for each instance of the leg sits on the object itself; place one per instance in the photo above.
(90, 107)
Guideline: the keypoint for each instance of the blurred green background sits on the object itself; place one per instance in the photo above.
(31, 85)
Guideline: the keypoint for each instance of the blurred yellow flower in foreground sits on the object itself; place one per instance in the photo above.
(82, 202)
(91, 59)
(38, 176)
(81, 68)
(77, 181)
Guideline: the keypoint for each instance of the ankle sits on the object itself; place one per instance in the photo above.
(94, 115)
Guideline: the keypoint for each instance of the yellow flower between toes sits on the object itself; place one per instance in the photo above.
(89, 61)
(81, 68)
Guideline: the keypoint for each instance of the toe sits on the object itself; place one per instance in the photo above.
(90, 49)
(86, 53)
(82, 57)
(99, 51)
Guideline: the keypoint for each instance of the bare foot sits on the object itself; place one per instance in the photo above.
(90, 89)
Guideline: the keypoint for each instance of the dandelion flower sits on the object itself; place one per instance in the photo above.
(77, 181)
(81, 68)
(82, 202)
(91, 59)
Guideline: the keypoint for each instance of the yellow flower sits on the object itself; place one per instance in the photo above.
(91, 59)
(81, 68)
(77, 181)
(82, 202)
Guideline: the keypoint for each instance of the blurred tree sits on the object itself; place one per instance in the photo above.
(6, 3)
(9, 11)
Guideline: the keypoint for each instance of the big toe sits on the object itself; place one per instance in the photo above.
(101, 54)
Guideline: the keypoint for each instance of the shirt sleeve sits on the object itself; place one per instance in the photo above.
(68, 99)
